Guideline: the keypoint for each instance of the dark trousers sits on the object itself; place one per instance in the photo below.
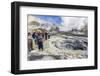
(30, 44)
(40, 46)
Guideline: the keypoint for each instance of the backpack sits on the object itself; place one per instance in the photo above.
(39, 39)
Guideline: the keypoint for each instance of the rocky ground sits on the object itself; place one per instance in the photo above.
(61, 47)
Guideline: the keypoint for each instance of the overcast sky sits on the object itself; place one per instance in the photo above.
(73, 22)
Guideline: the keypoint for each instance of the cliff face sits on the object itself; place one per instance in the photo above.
(36, 23)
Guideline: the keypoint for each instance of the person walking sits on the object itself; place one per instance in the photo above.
(40, 42)
(46, 36)
(30, 42)
(33, 39)
(36, 37)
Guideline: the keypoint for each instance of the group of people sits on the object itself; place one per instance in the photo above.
(36, 39)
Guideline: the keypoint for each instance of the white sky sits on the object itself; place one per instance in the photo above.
(73, 22)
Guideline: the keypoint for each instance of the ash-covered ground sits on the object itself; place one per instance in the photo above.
(61, 46)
